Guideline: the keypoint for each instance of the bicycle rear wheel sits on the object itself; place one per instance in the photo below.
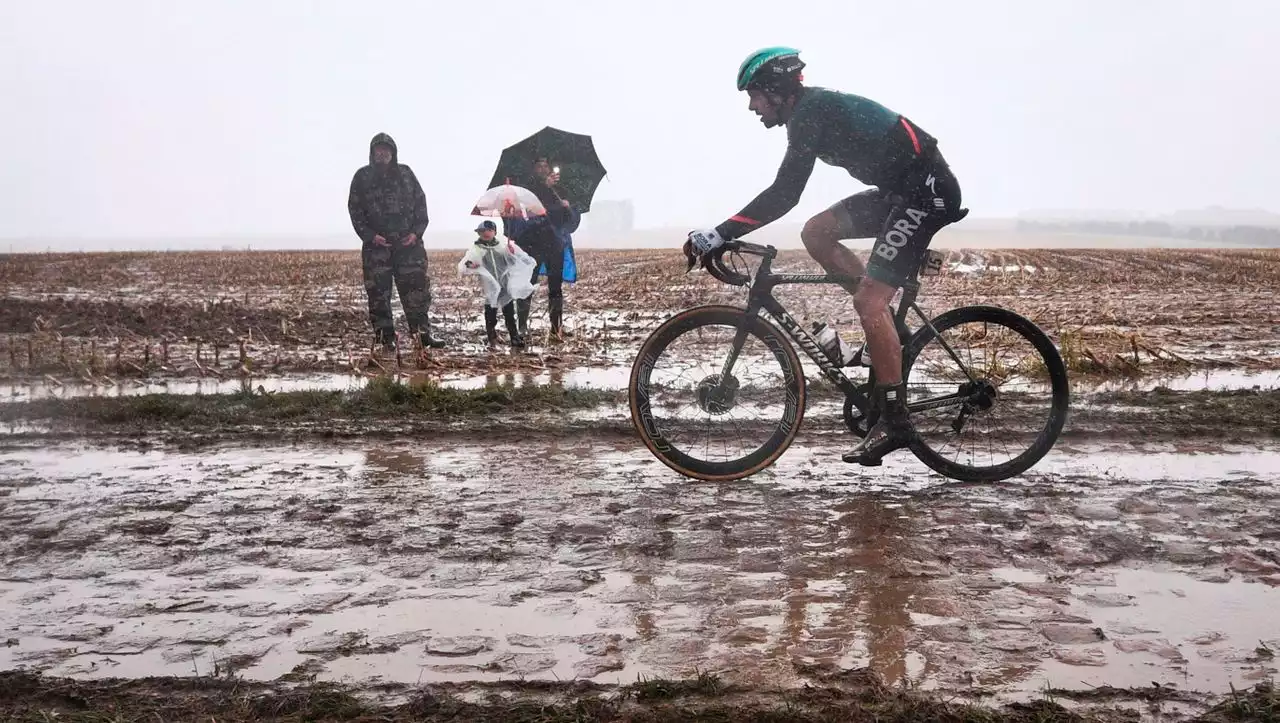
(702, 424)
(1011, 404)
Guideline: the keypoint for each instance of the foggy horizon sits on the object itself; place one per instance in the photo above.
(152, 121)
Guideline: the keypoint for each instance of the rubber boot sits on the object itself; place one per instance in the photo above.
(429, 342)
(513, 331)
(491, 325)
(522, 312)
(555, 308)
(385, 342)
(891, 431)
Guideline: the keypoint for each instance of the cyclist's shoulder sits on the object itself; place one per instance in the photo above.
(816, 100)
(858, 105)
(820, 107)
(816, 110)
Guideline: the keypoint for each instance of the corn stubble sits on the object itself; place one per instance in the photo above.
(108, 318)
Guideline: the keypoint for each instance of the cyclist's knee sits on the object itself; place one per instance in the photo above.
(872, 298)
(820, 234)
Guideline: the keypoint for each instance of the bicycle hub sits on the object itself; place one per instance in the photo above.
(717, 397)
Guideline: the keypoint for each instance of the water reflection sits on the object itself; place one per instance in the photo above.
(589, 556)
(772, 580)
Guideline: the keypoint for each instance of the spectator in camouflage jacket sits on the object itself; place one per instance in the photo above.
(388, 211)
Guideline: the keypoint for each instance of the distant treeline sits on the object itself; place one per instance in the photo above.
(1240, 235)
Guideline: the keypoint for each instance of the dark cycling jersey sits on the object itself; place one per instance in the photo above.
(874, 144)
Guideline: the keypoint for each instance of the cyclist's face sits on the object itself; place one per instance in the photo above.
(763, 106)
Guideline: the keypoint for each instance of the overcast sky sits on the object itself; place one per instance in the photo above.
(248, 117)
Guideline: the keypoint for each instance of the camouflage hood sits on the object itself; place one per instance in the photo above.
(384, 138)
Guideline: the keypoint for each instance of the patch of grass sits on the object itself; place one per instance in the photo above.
(385, 403)
(1261, 704)
(382, 397)
(662, 689)
(27, 697)
(431, 398)
(317, 702)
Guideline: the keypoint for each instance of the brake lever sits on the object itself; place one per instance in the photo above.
(690, 257)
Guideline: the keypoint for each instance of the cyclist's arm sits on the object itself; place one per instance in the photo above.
(775, 201)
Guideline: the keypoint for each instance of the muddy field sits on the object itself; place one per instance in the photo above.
(465, 551)
(410, 562)
(110, 319)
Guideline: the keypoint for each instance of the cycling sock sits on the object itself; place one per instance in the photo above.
(894, 399)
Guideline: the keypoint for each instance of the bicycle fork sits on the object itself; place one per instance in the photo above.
(739, 339)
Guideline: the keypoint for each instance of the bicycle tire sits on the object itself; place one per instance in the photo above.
(1050, 357)
(676, 459)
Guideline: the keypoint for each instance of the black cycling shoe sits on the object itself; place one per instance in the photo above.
(884, 437)
(891, 432)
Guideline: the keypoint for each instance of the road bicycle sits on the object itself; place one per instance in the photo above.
(954, 365)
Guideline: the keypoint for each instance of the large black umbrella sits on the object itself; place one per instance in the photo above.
(575, 154)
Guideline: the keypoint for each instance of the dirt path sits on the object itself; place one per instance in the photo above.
(557, 559)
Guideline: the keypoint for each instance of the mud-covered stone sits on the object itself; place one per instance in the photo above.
(524, 663)
(588, 668)
(1064, 634)
(1092, 657)
(460, 646)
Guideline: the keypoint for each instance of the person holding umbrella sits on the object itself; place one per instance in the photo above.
(541, 237)
(539, 159)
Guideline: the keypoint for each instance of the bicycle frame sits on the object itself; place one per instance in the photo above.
(761, 298)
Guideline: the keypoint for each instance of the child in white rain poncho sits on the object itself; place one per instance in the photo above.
(505, 272)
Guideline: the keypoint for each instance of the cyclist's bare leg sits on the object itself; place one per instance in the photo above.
(821, 236)
(872, 305)
(893, 428)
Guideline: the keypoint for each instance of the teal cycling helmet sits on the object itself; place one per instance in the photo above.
(772, 69)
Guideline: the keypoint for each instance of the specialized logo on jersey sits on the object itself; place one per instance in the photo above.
(898, 236)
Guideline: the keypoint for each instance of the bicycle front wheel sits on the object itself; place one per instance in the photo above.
(991, 402)
(706, 424)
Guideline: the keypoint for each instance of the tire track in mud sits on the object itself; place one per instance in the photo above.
(585, 558)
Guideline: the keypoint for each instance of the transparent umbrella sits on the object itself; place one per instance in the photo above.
(508, 201)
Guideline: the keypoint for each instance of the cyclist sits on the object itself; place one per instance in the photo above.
(915, 194)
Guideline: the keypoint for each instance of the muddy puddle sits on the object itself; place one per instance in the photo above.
(579, 377)
(614, 377)
(618, 377)
(550, 558)
(43, 389)
(1212, 380)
